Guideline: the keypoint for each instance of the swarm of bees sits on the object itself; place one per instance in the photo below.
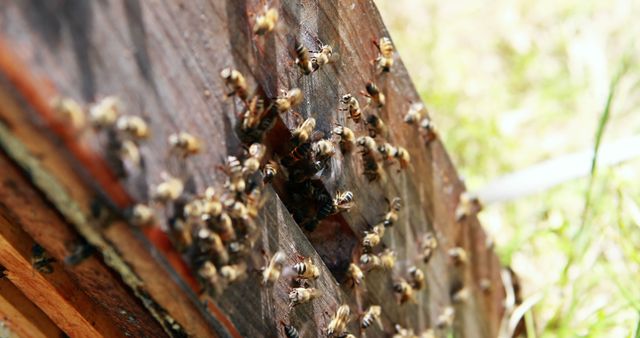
(217, 229)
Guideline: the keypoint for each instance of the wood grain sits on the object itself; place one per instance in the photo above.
(23, 317)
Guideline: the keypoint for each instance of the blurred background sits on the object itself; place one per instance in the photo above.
(530, 90)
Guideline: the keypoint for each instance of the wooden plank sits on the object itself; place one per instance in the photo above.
(27, 209)
(55, 293)
(163, 60)
(21, 316)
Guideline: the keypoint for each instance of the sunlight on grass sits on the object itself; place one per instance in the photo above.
(513, 83)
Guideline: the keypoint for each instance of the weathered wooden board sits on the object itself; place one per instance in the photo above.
(163, 59)
(21, 316)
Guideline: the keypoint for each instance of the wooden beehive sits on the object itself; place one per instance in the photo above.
(62, 190)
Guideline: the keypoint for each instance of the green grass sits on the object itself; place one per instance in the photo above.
(512, 83)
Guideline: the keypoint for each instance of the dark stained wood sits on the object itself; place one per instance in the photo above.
(163, 59)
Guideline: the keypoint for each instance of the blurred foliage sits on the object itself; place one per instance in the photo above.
(512, 83)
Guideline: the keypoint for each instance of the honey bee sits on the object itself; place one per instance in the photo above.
(288, 99)
(384, 61)
(401, 332)
(367, 144)
(372, 171)
(386, 150)
(272, 271)
(467, 206)
(299, 296)
(352, 106)
(375, 125)
(211, 204)
(233, 169)
(133, 126)
(71, 111)
(355, 274)
(415, 113)
(416, 278)
(343, 201)
(252, 163)
(374, 95)
(104, 113)
(209, 273)
(290, 331)
(429, 130)
(254, 113)
(184, 144)
(40, 260)
(339, 322)
(129, 151)
(429, 245)
(303, 132)
(402, 155)
(307, 269)
(297, 154)
(372, 238)
(428, 333)
(347, 137)
(460, 296)
(233, 273)
(403, 291)
(142, 215)
(391, 217)
(322, 57)
(369, 262)
(235, 82)
(372, 314)
(458, 256)
(388, 259)
(323, 150)
(210, 241)
(269, 171)
(266, 22)
(445, 319)
(169, 189)
(303, 59)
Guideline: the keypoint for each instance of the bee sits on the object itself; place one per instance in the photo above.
(235, 82)
(372, 314)
(415, 113)
(343, 201)
(428, 333)
(142, 215)
(460, 296)
(339, 322)
(391, 216)
(169, 189)
(233, 169)
(307, 269)
(352, 106)
(299, 296)
(266, 22)
(322, 57)
(386, 150)
(254, 113)
(303, 59)
(485, 285)
(458, 256)
(269, 171)
(372, 238)
(370, 262)
(388, 259)
(289, 330)
(445, 319)
(209, 273)
(372, 171)
(401, 332)
(252, 163)
(355, 274)
(211, 204)
(367, 144)
(375, 125)
(403, 157)
(403, 291)
(71, 111)
(416, 278)
(104, 113)
(297, 154)
(323, 150)
(429, 245)
(384, 61)
(374, 95)
(130, 151)
(184, 144)
(467, 206)
(194, 208)
(233, 273)
(347, 137)
(40, 260)
(133, 126)
(346, 335)
(272, 271)
(303, 132)
(288, 99)
(429, 130)
(210, 241)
